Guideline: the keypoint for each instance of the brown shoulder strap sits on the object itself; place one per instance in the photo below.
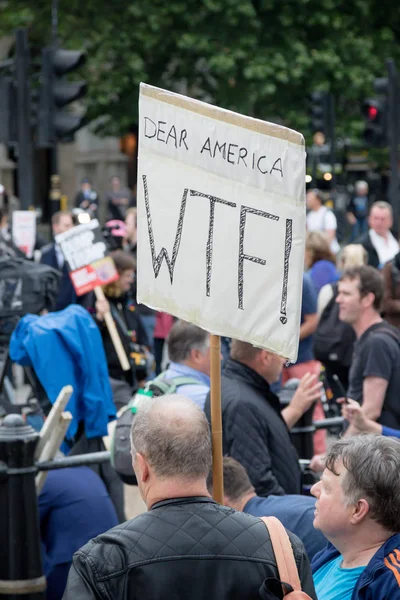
(283, 552)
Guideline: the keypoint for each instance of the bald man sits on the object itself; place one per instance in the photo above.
(186, 545)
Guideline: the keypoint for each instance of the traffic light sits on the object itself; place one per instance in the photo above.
(375, 119)
(319, 111)
(56, 92)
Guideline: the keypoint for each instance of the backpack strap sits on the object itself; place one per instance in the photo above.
(390, 331)
(283, 552)
(170, 385)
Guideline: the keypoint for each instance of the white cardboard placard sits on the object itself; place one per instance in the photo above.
(221, 220)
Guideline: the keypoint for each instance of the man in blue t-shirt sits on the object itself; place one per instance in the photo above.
(358, 510)
(295, 512)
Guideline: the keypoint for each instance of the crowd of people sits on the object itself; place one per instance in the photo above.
(188, 546)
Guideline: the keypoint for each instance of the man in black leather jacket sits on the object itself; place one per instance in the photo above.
(186, 545)
(255, 430)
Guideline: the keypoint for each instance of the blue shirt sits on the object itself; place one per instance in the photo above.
(74, 507)
(323, 272)
(334, 583)
(296, 513)
(308, 307)
(390, 432)
(197, 393)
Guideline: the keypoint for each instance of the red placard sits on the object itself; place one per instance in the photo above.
(100, 272)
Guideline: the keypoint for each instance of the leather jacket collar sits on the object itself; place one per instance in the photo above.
(187, 500)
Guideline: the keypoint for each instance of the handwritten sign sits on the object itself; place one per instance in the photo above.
(85, 252)
(221, 220)
(24, 231)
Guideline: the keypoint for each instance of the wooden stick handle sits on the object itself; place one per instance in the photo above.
(216, 418)
(113, 331)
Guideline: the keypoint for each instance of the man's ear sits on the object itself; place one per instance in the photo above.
(361, 511)
(142, 468)
(368, 300)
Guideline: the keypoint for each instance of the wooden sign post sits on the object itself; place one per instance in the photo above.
(216, 418)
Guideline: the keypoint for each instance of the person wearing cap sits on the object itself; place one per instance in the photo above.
(87, 198)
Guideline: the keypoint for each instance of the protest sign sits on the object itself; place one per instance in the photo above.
(23, 231)
(221, 220)
(85, 252)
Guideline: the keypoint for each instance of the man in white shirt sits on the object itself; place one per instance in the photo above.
(379, 242)
(320, 218)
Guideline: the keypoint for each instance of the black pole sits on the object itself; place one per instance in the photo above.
(21, 574)
(55, 191)
(393, 116)
(332, 125)
(25, 147)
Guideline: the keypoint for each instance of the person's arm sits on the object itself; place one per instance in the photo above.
(308, 308)
(80, 583)
(391, 305)
(309, 326)
(374, 390)
(307, 393)
(389, 432)
(359, 422)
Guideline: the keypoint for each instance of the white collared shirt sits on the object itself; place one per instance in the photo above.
(59, 256)
(386, 249)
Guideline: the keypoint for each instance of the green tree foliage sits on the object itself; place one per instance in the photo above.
(259, 57)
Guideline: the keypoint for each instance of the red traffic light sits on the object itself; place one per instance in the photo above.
(372, 113)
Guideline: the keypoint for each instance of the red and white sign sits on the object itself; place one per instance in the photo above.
(85, 252)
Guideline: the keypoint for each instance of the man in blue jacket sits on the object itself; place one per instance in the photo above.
(74, 508)
(358, 510)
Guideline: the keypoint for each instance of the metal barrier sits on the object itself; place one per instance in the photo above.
(21, 570)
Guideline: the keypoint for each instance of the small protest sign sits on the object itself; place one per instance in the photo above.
(221, 220)
(85, 252)
(23, 231)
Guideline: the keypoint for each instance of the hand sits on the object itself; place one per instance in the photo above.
(351, 219)
(102, 307)
(307, 393)
(355, 415)
(317, 463)
(85, 204)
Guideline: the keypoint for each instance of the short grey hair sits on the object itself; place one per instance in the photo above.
(185, 337)
(173, 434)
(372, 463)
(382, 204)
(361, 185)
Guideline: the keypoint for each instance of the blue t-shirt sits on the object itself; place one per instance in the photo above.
(323, 272)
(308, 307)
(334, 583)
(296, 513)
